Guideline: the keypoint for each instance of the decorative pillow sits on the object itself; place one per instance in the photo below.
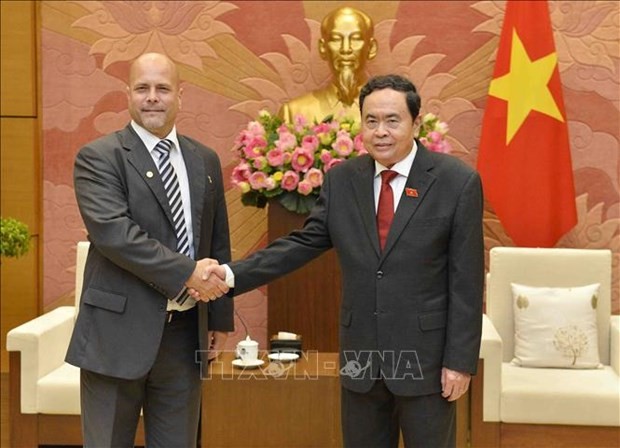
(556, 327)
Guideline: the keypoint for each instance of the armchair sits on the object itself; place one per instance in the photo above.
(537, 406)
(44, 391)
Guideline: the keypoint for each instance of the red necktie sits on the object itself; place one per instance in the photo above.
(385, 210)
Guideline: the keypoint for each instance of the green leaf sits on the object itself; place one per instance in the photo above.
(297, 203)
(273, 193)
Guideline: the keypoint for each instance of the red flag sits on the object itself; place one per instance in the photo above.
(524, 157)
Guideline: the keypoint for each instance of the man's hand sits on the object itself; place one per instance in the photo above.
(217, 270)
(217, 340)
(453, 383)
(206, 288)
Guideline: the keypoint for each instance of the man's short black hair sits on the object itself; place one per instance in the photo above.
(394, 82)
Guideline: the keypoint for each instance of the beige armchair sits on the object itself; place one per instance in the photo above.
(44, 391)
(536, 406)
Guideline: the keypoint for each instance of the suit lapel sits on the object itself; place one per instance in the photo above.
(363, 188)
(139, 157)
(197, 179)
(419, 183)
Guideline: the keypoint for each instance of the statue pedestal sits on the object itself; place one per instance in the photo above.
(306, 301)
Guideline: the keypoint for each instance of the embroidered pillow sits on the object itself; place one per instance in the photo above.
(556, 327)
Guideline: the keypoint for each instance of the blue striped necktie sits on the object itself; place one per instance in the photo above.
(173, 191)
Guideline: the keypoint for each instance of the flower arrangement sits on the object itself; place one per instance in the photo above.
(287, 162)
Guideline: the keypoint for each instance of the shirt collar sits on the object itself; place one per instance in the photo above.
(150, 140)
(402, 167)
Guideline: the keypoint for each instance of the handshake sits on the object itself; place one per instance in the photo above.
(208, 281)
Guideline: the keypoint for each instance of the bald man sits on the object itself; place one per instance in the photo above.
(153, 204)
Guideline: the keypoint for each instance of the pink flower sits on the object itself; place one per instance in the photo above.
(254, 147)
(286, 140)
(314, 177)
(241, 173)
(302, 160)
(310, 142)
(321, 128)
(260, 162)
(434, 136)
(258, 180)
(343, 144)
(299, 122)
(270, 183)
(290, 179)
(256, 129)
(358, 144)
(326, 156)
(275, 157)
(304, 188)
(440, 146)
(332, 163)
(287, 157)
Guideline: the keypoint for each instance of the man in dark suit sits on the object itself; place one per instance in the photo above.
(138, 339)
(411, 312)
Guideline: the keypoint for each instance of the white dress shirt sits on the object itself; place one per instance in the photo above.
(398, 183)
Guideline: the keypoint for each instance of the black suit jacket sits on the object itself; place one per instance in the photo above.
(132, 268)
(415, 306)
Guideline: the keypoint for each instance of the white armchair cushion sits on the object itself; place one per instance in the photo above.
(577, 397)
(556, 327)
(614, 346)
(59, 391)
(491, 353)
(43, 345)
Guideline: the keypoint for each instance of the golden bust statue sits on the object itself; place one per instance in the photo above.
(346, 43)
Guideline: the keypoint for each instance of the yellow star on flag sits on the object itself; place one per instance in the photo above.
(525, 87)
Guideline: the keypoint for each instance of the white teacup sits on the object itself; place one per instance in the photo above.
(247, 350)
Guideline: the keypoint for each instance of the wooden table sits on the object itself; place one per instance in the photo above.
(282, 404)
(276, 405)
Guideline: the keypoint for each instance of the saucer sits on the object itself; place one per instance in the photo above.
(283, 357)
(248, 364)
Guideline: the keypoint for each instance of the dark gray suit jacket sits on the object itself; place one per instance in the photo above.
(416, 306)
(132, 267)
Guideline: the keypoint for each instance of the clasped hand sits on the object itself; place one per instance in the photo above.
(207, 282)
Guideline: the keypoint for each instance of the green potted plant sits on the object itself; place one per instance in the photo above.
(14, 238)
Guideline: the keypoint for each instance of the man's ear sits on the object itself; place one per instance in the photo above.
(372, 48)
(322, 48)
(180, 93)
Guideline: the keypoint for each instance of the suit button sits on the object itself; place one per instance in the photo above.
(379, 274)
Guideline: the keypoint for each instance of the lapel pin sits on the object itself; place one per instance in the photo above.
(411, 192)
(149, 174)
(210, 181)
